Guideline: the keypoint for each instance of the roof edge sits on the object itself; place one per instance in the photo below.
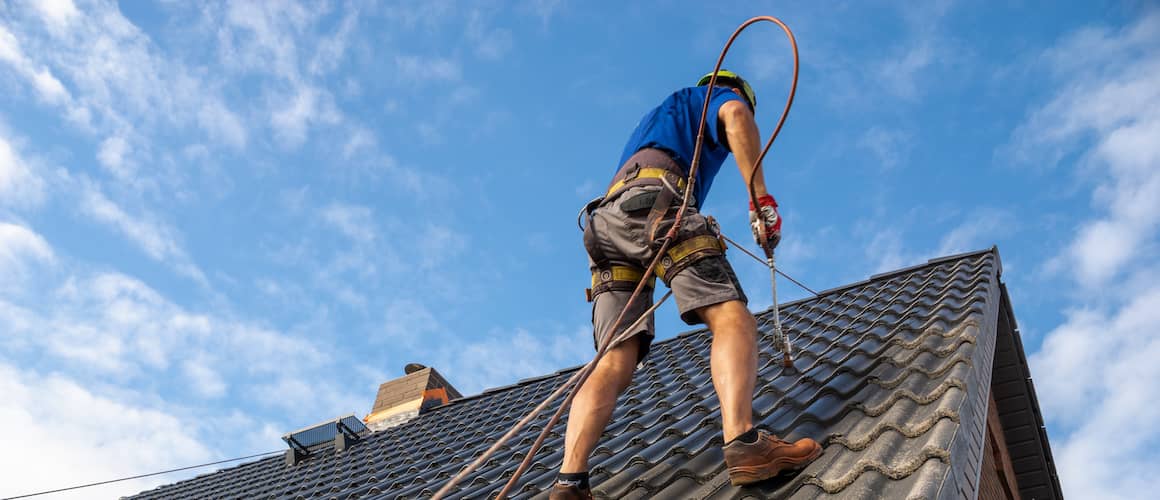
(889, 274)
(1036, 413)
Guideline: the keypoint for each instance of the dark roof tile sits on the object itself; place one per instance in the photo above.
(891, 375)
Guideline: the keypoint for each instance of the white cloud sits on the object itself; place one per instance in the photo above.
(332, 49)
(902, 71)
(1113, 106)
(408, 322)
(355, 221)
(112, 153)
(416, 69)
(222, 124)
(307, 106)
(206, 381)
(110, 328)
(890, 146)
(56, 13)
(900, 74)
(19, 185)
(1097, 372)
(119, 83)
(51, 90)
(158, 240)
(65, 426)
(260, 36)
(360, 141)
(546, 10)
(505, 357)
(489, 43)
(437, 244)
(886, 251)
(982, 227)
(20, 247)
(10, 48)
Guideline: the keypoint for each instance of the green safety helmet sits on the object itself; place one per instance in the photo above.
(735, 80)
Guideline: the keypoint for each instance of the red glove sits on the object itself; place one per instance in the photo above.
(765, 221)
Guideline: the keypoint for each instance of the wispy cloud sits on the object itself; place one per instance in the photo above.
(1104, 105)
(293, 114)
(20, 246)
(114, 328)
(113, 154)
(891, 146)
(438, 244)
(109, 79)
(489, 43)
(982, 227)
(359, 141)
(1106, 118)
(48, 87)
(504, 357)
(260, 36)
(887, 251)
(222, 124)
(332, 49)
(355, 221)
(158, 240)
(900, 74)
(546, 10)
(19, 184)
(415, 69)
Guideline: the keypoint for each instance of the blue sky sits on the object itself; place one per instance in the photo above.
(223, 221)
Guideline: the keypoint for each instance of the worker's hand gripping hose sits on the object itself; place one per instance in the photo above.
(578, 379)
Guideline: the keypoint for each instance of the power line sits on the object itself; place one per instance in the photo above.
(139, 476)
(764, 263)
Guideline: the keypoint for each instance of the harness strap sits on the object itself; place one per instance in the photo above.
(685, 253)
(646, 167)
(645, 174)
(617, 278)
(656, 214)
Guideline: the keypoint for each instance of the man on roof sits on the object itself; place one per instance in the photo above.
(621, 239)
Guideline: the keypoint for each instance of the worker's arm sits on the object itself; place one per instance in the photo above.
(744, 141)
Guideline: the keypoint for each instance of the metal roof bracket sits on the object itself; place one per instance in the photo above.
(296, 453)
(345, 437)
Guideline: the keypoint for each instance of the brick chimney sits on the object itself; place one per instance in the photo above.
(407, 397)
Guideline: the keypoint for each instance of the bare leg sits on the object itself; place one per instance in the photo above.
(733, 361)
(594, 404)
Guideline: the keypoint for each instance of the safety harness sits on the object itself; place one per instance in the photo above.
(648, 167)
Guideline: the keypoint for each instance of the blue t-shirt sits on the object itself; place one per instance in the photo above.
(672, 126)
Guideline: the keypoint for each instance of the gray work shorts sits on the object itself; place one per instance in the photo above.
(622, 237)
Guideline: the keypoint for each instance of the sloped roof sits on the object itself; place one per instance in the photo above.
(892, 375)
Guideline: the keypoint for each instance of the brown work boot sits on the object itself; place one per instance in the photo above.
(768, 457)
(569, 492)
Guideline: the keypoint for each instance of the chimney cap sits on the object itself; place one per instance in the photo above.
(413, 367)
